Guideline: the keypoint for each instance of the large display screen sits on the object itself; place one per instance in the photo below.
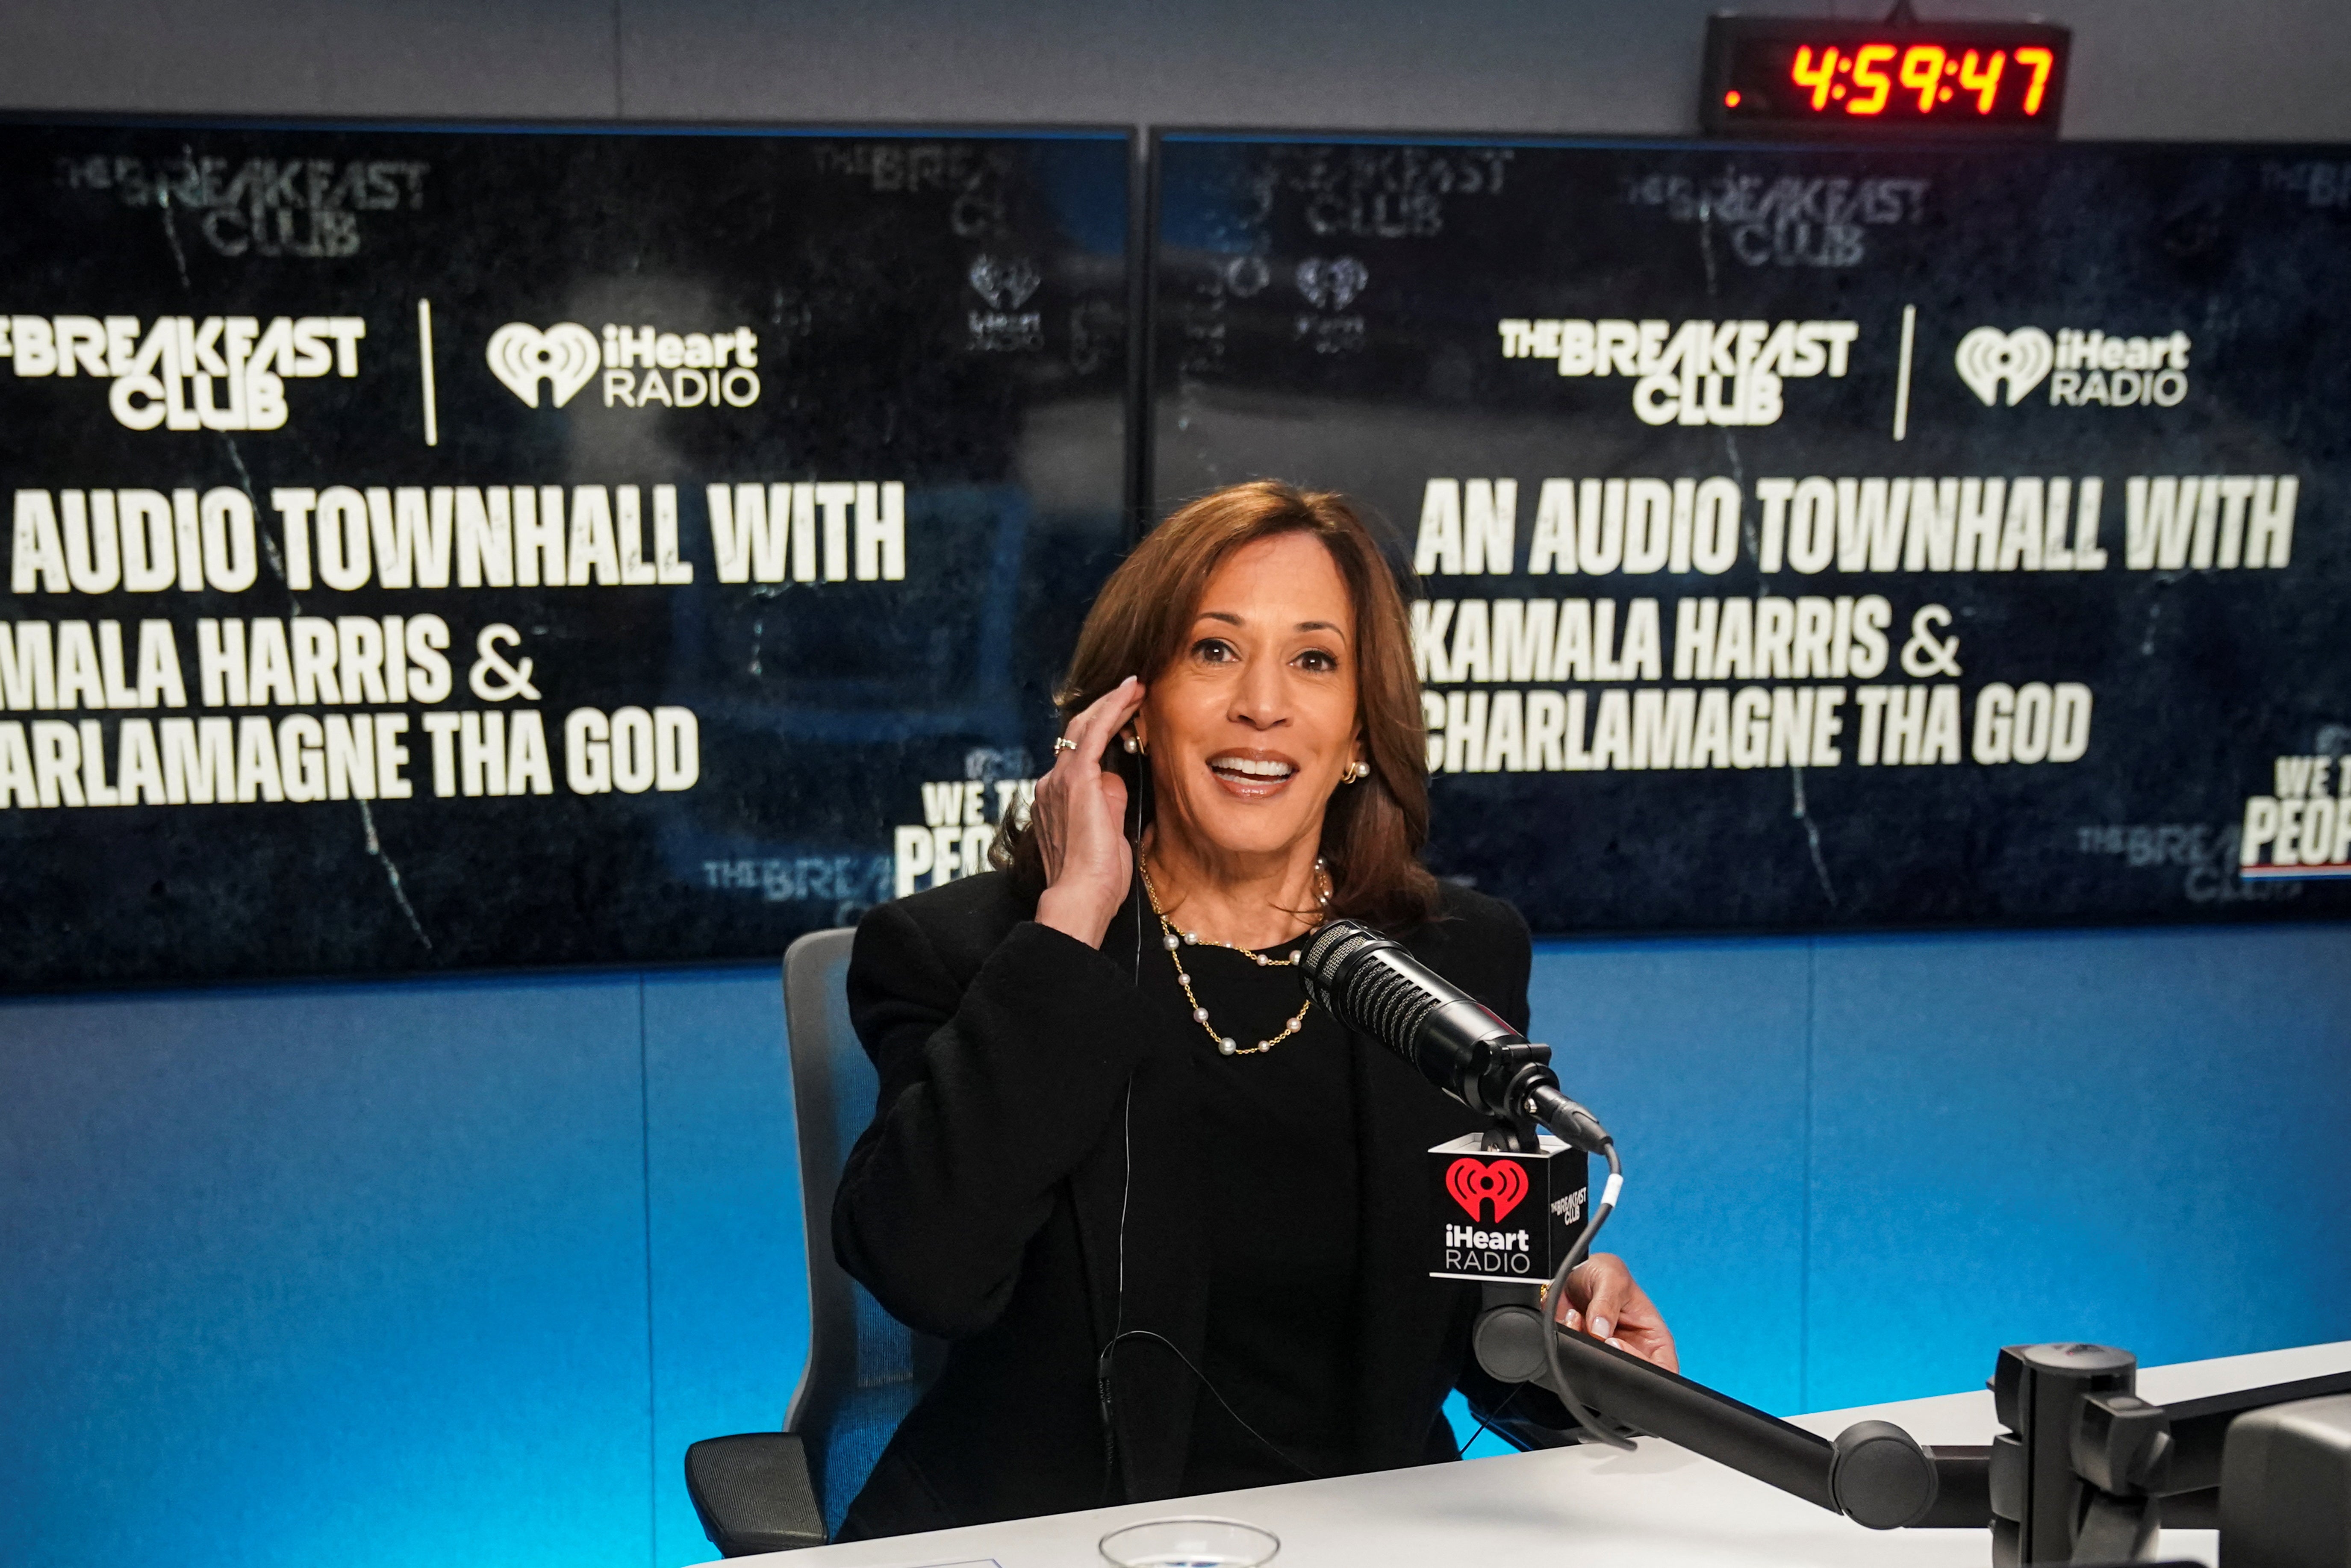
(1815, 538)
(432, 549)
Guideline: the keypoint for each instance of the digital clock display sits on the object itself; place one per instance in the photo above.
(1779, 76)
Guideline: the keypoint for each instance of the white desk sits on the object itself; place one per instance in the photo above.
(1658, 1507)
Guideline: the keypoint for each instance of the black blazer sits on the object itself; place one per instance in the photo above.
(984, 1203)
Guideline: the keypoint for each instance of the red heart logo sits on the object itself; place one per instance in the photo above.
(1472, 1182)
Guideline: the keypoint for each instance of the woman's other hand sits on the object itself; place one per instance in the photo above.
(1602, 1299)
(1080, 819)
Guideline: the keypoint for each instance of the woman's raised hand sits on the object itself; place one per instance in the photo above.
(1079, 821)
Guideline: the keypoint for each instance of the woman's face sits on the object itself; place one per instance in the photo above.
(1251, 727)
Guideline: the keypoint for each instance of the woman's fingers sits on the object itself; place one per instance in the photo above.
(1080, 816)
(1606, 1307)
(1650, 1344)
(1064, 792)
(1090, 731)
(1643, 1329)
(1599, 1287)
(1080, 808)
(1078, 753)
(1602, 1301)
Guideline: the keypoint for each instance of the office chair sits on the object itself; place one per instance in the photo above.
(775, 1491)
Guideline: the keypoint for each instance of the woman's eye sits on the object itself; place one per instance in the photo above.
(1212, 650)
(1319, 660)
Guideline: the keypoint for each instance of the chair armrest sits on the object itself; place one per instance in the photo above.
(753, 1493)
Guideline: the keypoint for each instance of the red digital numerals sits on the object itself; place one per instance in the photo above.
(1876, 76)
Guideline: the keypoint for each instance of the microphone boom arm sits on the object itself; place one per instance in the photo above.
(1874, 1472)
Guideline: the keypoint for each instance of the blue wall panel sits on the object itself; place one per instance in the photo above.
(1693, 1054)
(452, 1270)
(324, 1274)
(2135, 1138)
(729, 1293)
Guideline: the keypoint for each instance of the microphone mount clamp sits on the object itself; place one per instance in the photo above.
(1502, 1087)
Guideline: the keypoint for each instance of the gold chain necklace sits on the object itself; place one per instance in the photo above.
(1175, 943)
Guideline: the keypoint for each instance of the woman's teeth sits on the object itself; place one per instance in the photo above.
(1250, 768)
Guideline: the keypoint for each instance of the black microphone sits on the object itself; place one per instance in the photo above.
(1375, 985)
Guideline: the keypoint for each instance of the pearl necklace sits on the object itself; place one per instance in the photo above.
(1175, 943)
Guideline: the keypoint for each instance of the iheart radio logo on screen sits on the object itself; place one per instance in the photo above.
(564, 355)
(1501, 1183)
(2082, 366)
(642, 367)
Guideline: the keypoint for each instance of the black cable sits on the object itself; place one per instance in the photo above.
(1102, 1384)
(1486, 1431)
(1126, 1166)
(1134, 877)
(1550, 1300)
(1118, 1322)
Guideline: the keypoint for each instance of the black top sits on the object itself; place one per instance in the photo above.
(1278, 1145)
(1034, 1183)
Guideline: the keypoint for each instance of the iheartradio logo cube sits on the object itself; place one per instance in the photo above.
(1503, 1216)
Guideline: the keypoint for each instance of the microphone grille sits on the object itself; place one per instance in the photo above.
(1345, 972)
(1327, 952)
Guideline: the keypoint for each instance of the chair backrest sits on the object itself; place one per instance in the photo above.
(864, 1369)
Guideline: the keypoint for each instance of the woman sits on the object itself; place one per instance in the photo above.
(1166, 1212)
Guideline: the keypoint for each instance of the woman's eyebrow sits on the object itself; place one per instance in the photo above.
(1229, 619)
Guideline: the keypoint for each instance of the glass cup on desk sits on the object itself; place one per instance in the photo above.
(1190, 1543)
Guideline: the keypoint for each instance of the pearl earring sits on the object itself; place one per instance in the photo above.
(1133, 747)
(1357, 772)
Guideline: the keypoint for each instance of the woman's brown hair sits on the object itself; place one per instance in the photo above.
(1371, 832)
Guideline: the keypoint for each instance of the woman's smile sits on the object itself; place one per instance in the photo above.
(1252, 774)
